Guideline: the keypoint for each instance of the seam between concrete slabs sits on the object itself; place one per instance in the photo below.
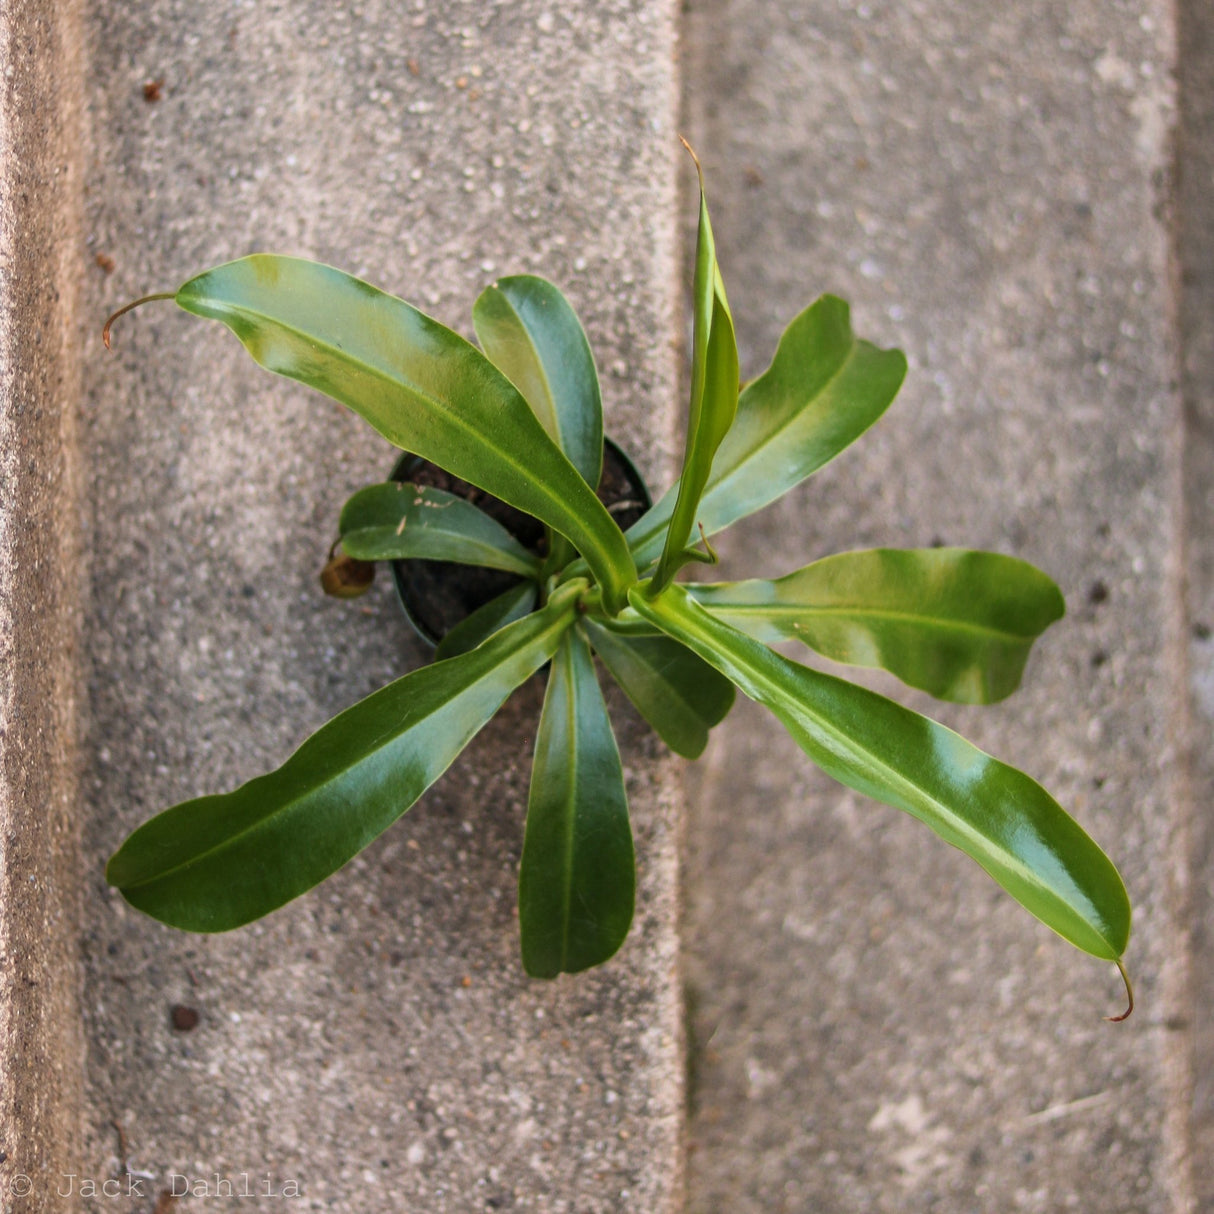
(1176, 977)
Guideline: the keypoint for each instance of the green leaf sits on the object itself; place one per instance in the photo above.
(998, 816)
(399, 520)
(577, 878)
(679, 694)
(511, 605)
(956, 623)
(714, 394)
(532, 334)
(823, 389)
(217, 862)
(420, 385)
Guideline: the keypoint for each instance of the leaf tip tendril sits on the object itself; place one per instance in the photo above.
(105, 332)
(1129, 990)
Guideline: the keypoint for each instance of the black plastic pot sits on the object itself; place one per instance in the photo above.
(438, 595)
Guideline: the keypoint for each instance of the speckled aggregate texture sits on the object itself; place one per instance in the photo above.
(876, 1027)
(41, 1050)
(375, 1044)
(1195, 249)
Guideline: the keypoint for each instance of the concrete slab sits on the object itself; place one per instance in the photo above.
(876, 1027)
(41, 1055)
(375, 1043)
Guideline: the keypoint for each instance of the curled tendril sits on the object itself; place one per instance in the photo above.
(1129, 990)
(105, 332)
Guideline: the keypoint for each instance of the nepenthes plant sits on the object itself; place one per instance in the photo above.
(521, 420)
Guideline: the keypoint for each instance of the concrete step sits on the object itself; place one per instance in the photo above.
(374, 1045)
(875, 1026)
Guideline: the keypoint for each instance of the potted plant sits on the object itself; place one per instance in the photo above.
(521, 420)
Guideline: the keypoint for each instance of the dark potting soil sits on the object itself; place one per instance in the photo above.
(440, 594)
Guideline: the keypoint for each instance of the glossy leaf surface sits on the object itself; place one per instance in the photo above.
(823, 389)
(420, 385)
(217, 862)
(533, 336)
(577, 878)
(678, 693)
(714, 395)
(398, 520)
(510, 605)
(997, 815)
(956, 623)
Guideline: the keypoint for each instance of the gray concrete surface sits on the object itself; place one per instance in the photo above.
(41, 1050)
(874, 1026)
(376, 1042)
(1195, 255)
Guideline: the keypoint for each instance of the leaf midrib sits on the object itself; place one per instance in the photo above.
(783, 611)
(712, 486)
(454, 417)
(487, 554)
(383, 739)
(571, 714)
(637, 653)
(553, 412)
(827, 385)
(673, 688)
(957, 823)
(896, 779)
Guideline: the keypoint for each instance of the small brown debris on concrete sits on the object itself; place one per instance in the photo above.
(153, 90)
(184, 1018)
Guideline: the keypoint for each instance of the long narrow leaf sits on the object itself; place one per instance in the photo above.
(217, 862)
(577, 878)
(823, 389)
(998, 816)
(533, 336)
(714, 394)
(420, 385)
(956, 623)
(678, 693)
(399, 521)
